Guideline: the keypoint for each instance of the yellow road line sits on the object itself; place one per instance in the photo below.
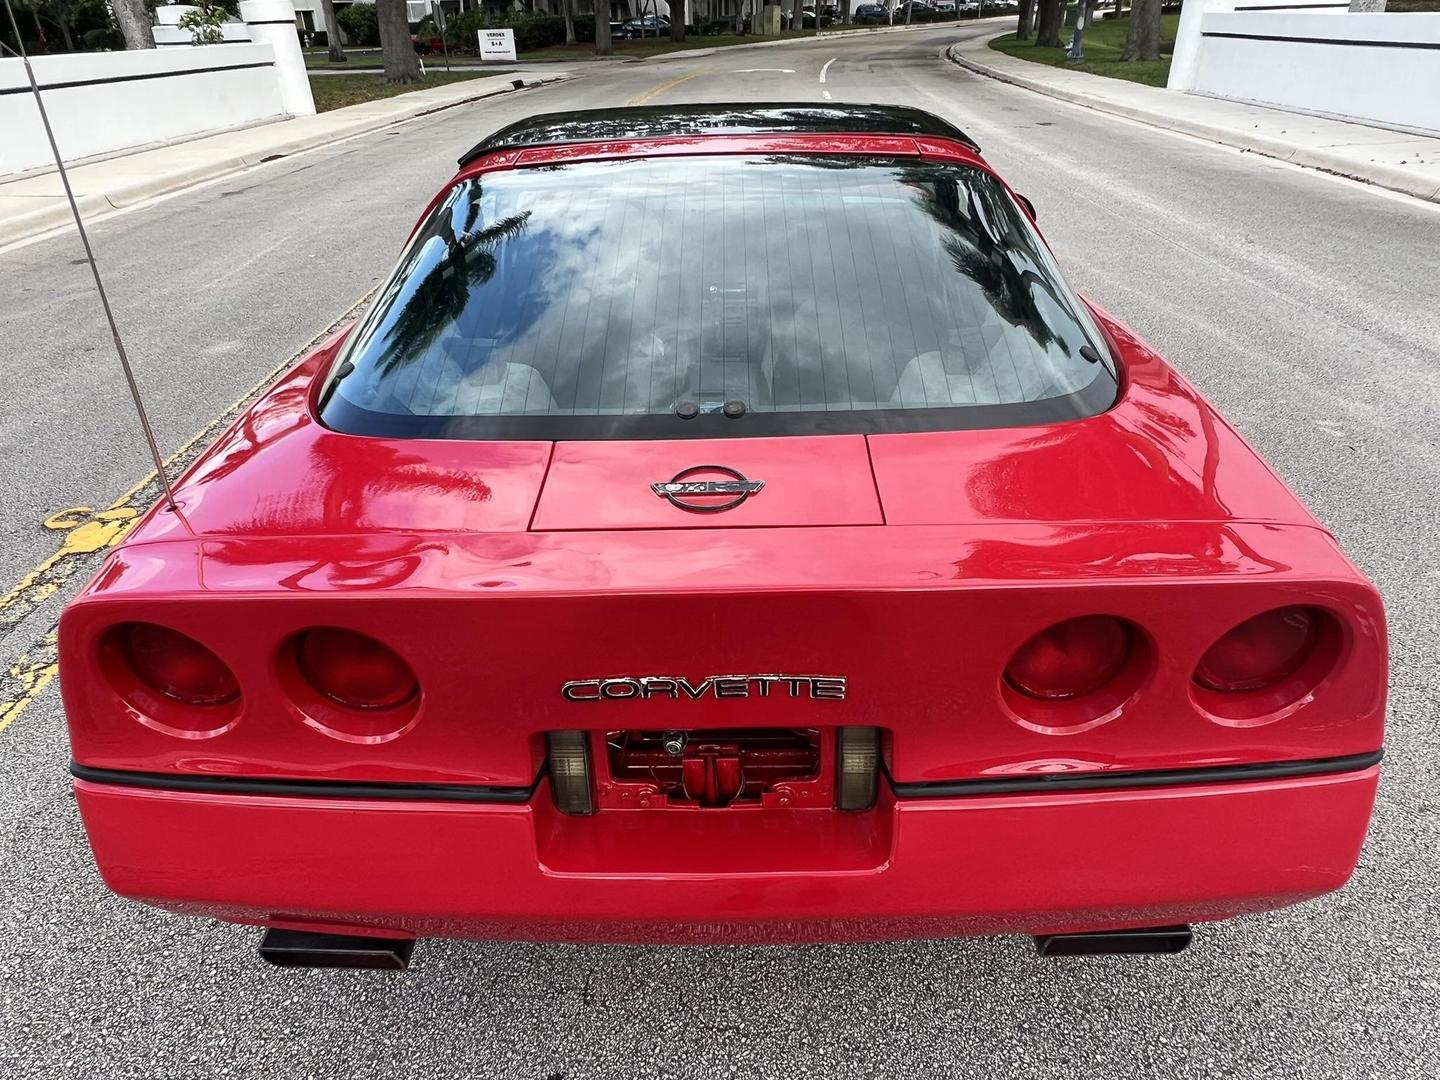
(108, 527)
(88, 532)
(650, 95)
(25, 679)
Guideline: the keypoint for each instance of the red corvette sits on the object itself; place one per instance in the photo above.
(726, 525)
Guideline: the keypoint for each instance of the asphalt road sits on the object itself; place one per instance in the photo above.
(1305, 306)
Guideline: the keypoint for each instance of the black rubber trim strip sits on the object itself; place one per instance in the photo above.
(323, 789)
(137, 78)
(339, 413)
(1325, 41)
(1045, 783)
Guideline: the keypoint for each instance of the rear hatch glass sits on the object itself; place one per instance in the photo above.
(726, 295)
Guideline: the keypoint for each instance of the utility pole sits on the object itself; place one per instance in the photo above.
(439, 14)
(1077, 40)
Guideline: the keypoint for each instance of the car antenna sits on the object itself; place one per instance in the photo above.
(94, 269)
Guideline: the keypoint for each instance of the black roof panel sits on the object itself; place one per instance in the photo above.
(771, 118)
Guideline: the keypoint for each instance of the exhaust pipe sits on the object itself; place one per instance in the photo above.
(1161, 940)
(291, 948)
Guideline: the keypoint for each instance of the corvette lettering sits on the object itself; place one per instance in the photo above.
(679, 688)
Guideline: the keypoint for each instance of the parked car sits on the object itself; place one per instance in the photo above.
(916, 7)
(592, 586)
(647, 26)
(945, 7)
(870, 13)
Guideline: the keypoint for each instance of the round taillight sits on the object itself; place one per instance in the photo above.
(354, 670)
(1071, 659)
(177, 666)
(1260, 652)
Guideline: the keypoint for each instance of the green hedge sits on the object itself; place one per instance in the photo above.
(531, 31)
(361, 25)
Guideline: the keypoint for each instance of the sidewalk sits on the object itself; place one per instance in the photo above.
(1407, 162)
(35, 204)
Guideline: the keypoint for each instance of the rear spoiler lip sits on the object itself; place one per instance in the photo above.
(921, 124)
(1326, 564)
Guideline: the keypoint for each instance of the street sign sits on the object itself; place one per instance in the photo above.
(497, 44)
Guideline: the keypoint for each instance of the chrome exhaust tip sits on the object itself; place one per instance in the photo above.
(1156, 940)
(294, 949)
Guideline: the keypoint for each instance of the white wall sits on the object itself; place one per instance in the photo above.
(1186, 55)
(1383, 68)
(100, 103)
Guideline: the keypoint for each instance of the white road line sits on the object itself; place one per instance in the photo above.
(826, 68)
(826, 93)
(749, 71)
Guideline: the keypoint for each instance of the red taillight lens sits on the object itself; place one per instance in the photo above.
(1260, 652)
(355, 670)
(177, 666)
(1071, 658)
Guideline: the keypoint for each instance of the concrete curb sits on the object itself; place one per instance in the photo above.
(1385, 176)
(316, 132)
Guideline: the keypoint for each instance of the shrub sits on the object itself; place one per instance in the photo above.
(361, 25)
(204, 22)
(531, 31)
(104, 37)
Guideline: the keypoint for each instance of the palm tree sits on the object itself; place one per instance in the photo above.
(134, 19)
(982, 257)
(396, 48)
(1142, 37)
(602, 29)
(441, 296)
(332, 32)
(1051, 17)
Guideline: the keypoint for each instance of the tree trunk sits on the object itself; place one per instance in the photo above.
(396, 48)
(62, 20)
(845, 11)
(1142, 39)
(332, 32)
(39, 31)
(134, 19)
(1027, 20)
(568, 7)
(908, 9)
(1047, 30)
(602, 29)
(797, 15)
(677, 20)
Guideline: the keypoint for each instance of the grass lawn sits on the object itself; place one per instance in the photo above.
(373, 62)
(1104, 41)
(656, 46)
(337, 91)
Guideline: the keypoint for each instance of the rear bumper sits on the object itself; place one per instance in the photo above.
(980, 864)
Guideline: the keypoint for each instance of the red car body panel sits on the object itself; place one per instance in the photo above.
(918, 868)
(915, 565)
